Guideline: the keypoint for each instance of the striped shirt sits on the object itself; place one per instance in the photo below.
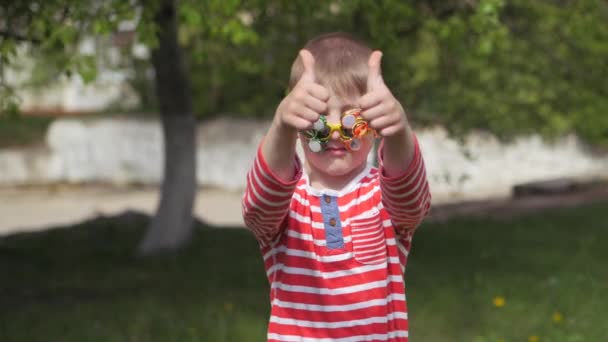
(335, 259)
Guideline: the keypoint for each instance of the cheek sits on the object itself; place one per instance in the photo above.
(359, 157)
(368, 143)
(315, 159)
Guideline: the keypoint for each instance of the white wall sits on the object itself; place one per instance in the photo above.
(110, 88)
(123, 151)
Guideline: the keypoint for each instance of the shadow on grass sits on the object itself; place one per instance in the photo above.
(84, 283)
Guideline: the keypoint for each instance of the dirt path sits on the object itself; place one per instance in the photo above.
(515, 207)
(37, 208)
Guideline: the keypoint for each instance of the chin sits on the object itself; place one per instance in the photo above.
(337, 167)
(337, 172)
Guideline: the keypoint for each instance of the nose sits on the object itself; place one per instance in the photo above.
(335, 135)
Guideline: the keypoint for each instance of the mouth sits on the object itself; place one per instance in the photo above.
(336, 150)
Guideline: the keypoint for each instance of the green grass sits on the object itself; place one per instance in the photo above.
(19, 130)
(84, 284)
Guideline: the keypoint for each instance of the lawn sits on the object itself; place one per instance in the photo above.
(538, 278)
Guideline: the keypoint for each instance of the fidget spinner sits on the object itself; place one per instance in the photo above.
(352, 128)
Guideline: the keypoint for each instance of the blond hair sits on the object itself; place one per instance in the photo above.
(340, 63)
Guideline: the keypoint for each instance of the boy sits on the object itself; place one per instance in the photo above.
(335, 234)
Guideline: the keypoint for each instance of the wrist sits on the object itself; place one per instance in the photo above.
(283, 126)
(283, 131)
(398, 152)
(400, 137)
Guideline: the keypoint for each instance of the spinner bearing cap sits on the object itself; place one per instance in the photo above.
(315, 146)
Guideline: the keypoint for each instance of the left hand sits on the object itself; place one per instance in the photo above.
(378, 106)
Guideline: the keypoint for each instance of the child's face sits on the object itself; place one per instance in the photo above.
(336, 160)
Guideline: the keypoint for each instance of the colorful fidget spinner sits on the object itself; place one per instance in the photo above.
(352, 128)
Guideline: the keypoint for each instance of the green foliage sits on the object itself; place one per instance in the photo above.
(20, 130)
(537, 76)
(509, 67)
(50, 33)
(9, 101)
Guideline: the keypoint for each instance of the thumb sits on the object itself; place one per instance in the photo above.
(374, 76)
(309, 65)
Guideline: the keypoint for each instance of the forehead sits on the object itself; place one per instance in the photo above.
(342, 102)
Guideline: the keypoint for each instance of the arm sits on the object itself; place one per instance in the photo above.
(268, 196)
(399, 151)
(404, 185)
(279, 149)
(277, 169)
(298, 111)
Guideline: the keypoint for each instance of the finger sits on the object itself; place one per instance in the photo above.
(384, 108)
(298, 123)
(318, 91)
(382, 122)
(374, 112)
(315, 104)
(306, 113)
(390, 130)
(374, 75)
(308, 61)
(370, 100)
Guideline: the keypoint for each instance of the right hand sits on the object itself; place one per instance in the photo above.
(301, 108)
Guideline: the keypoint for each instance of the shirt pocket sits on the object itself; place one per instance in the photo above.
(369, 242)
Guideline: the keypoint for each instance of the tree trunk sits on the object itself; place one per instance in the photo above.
(173, 222)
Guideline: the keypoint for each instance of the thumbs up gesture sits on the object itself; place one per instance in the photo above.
(307, 100)
(378, 106)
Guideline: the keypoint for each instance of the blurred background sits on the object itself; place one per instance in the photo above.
(127, 129)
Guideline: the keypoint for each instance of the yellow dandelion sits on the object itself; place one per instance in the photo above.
(533, 338)
(499, 301)
(558, 317)
(228, 306)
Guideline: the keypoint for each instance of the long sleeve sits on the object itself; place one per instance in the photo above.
(267, 199)
(407, 197)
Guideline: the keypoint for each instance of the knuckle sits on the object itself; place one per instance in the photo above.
(287, 121)
(291, 107)
(298, 95)
(306, 87)
(322, 107)
(324, 94)
(311, 115)
(302, 125)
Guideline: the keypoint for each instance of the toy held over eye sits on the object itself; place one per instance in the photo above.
(352, 129)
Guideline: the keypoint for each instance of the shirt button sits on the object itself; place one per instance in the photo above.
(327, 199)
(332, 222)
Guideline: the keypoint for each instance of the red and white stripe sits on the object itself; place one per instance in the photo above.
(354, 293)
